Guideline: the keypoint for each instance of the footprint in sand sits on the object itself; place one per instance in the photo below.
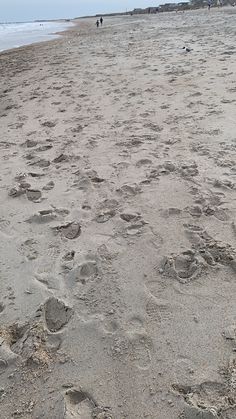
(29, 249)
(44, 147)
(84, 183)
(193, 412)
(111, 326)
(56, 314)
(104, 216)
(209, 250)
(214, 252)
(221, 214)
(143, 162)
(88, 269)
(30, 143)
(139, 344)
(30, 343)
(93, 176)
(168, 167)
(40, 163)
(130, 217)
(70, 230)
(164, 169)
(170, 212)
(36, 175)
(53, 407)
(43, 216)
(5, 227)
(61, 158)
(87, 180)
(194, 211)
(158, 310)
(129, 190)
(34, 195)
(49, 186)
(49, 124)
(184, 370)
(85, 271)
(133, 229)
(208, 399)
(16, 191)
(153, 127)
(140, 349)
(188, 169)
(135, 346)
(221, 183)
(106, 210)
(191, 231)
(8, 336)
(208, 210)
(81, 405)
(185, 267)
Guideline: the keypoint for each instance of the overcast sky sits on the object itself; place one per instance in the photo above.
(23, 10)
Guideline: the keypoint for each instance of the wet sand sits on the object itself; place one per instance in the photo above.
(117, 221)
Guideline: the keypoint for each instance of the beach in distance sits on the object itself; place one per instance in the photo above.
(118, 220)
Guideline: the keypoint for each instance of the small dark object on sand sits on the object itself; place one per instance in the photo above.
(187, 49)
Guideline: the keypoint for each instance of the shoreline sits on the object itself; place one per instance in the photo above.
(117, 227)
(56, 35)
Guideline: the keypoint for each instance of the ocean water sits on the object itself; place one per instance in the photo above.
(14, 35)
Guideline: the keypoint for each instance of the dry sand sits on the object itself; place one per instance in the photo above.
(117, 234)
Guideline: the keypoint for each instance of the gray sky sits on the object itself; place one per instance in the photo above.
(23, 10)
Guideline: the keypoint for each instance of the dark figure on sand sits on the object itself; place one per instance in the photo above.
(97, 23)
(101, 20)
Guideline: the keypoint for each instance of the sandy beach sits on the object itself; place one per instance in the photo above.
(117, 221)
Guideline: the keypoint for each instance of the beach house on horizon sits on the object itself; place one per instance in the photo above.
(166, 7)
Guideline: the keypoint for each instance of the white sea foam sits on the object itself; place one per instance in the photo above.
(13, 35)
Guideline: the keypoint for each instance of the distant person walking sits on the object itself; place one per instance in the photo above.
(101, 20)
(209, 4)
(97, 23)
